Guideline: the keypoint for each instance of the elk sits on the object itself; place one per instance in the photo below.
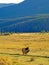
(25, 50)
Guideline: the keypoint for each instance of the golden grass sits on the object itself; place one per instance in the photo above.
(13, 43)
(22, 60)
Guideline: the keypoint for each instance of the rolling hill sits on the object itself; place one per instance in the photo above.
(37, 23)
(31, 8)
(26, 8)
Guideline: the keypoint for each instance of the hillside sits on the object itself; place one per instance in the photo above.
(37, 23)
(26, 8)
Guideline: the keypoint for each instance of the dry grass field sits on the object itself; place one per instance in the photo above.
(11, 49)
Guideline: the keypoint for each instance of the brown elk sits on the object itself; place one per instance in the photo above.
(25, 50)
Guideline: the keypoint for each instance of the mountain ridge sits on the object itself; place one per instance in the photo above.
(26, 8)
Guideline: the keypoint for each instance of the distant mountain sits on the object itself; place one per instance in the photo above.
(25, 24)
(26, 8)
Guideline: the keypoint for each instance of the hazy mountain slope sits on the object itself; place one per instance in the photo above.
(28, 7)
(25, 25)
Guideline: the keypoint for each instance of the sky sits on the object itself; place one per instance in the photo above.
(10, 1)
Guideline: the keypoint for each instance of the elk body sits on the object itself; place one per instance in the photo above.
(25, 50)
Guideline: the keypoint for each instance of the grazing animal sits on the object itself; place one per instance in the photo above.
(25, 50)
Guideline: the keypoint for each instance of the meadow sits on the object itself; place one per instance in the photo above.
(11, 49)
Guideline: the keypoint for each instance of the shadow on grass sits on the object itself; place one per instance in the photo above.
(25, 55)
